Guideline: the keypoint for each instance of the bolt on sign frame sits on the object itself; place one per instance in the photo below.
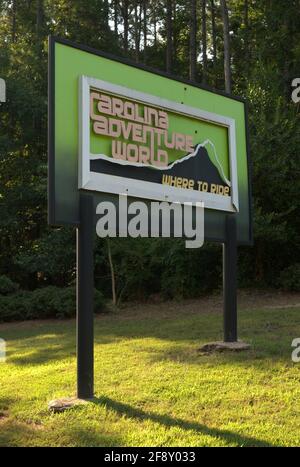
(118, 127)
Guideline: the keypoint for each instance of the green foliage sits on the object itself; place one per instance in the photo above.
(7, 286)
(51, 258)
(190, 273)
(46, 302)
(290, 278)
(15, 307)
(144, 267)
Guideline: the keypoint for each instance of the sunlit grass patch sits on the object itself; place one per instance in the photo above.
(152, 387)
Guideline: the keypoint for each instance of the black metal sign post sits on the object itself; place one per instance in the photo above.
(85, 299)
(230, 280)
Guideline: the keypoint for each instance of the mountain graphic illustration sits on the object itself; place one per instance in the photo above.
(197, 165)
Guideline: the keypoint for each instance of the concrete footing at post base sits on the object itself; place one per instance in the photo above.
(66, 403)
(220, 346)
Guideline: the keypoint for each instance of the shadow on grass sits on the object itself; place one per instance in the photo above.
(44, 355)
(56, 341)
(5, 404)
(85, 438)
(15, 434)
(228, 436)
(40, 345)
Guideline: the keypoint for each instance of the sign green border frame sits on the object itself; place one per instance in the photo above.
(218, 233)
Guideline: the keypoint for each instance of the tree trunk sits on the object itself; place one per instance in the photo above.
(174, 33)
(214, 32)
(116, 17)
(145, 4)
(227, 69)
(112, 273)
(137, 30)
(155, 30)
(246, 14)
(14, 19)
(193, 32)
(169, 36)
(136, 34)
(106, 13)
(246, 21)
(125, 20)
(204, 41)
(39, 17)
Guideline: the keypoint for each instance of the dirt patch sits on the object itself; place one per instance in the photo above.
(4, 415)
(247, 300)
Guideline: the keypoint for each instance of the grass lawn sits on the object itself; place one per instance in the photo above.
(152, 386)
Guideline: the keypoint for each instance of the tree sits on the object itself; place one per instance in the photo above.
(14, 14)
(227, 67)
(204, 41)
(116, 16)
(193, 34)
(214, 32)
(125, 15)
(169, 58)
(145, 29)
(39, 17)
(137, 29)
(246, 22)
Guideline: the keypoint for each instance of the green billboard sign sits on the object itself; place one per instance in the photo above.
(119, 128)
